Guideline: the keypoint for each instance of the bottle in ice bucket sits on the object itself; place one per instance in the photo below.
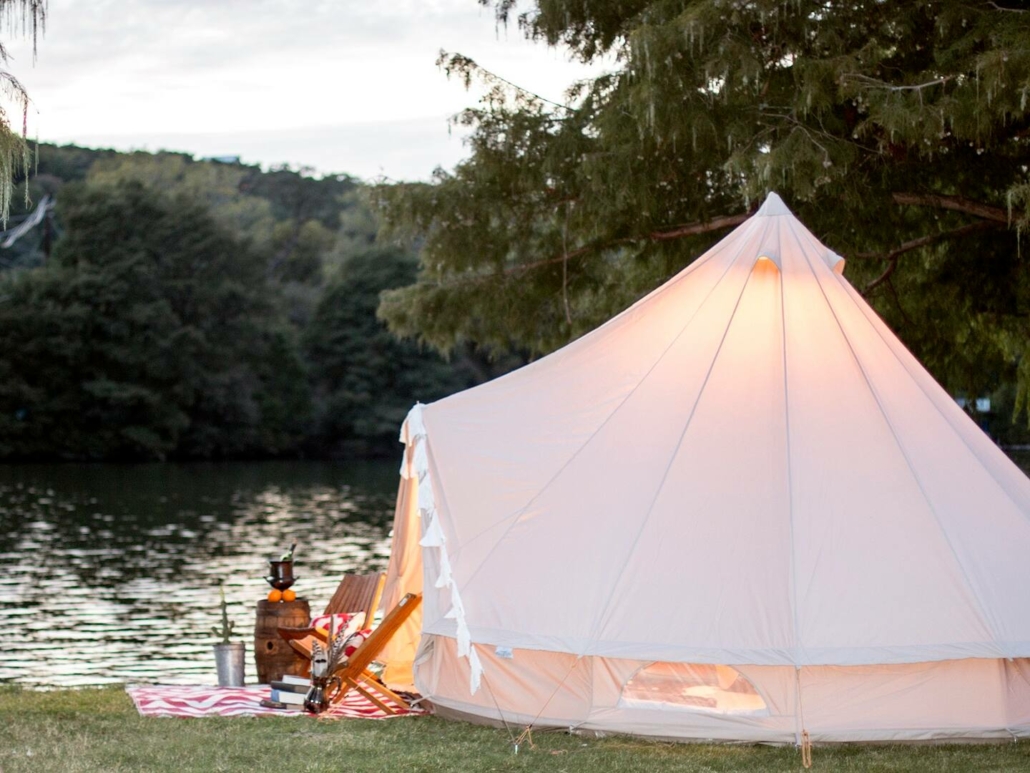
(281, 571)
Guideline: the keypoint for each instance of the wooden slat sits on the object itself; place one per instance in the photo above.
(355, 593)
(358, 593)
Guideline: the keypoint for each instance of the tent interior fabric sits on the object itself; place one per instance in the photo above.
(739, 510)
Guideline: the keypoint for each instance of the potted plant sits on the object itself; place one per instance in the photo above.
(229, 655)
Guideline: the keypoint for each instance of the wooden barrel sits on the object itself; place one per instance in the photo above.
(273, 655)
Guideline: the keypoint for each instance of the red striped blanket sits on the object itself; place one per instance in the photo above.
(206, 701)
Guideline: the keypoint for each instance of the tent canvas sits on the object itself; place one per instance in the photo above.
(738, 510)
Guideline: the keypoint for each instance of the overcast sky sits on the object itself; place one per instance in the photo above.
(345, 86)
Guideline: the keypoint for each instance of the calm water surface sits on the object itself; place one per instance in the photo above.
(111, 573)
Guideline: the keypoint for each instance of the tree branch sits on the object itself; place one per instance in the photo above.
(723, 221)
(954, 203)
(892, 264)
(564, 257)
(464, 66)
(897, 302)
(997, 7)
(694, 229)
(993, 217)
(892, 256)
(715, 224)
(878, 84)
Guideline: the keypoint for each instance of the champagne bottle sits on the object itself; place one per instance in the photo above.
(288, 555)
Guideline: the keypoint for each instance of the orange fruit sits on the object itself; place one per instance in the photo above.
(275, 595)
(289, 595)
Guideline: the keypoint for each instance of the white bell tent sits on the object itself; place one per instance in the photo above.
(739, 510)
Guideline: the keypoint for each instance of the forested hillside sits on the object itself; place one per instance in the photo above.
(169, 308)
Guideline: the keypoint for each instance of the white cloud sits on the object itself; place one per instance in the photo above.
(341, 86)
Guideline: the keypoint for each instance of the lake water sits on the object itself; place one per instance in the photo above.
(111, 573)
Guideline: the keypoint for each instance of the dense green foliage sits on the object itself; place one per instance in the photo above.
(898, 131)
(364, 377)
(150, 333)
(99, 730)
(170, 308)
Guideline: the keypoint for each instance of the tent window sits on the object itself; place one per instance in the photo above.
(693, 687)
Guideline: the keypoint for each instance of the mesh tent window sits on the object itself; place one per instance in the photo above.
(715, 689)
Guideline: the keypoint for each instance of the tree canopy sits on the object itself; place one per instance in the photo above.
(149, 335)
(194, 309)
(363, 377)
(898, 131)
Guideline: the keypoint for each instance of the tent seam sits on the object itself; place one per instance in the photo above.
(707, 257)
(984, 616)
(672, 459)
(521, 511)
(790, 469)
(951, 426)
(799, 717)
(661, 290)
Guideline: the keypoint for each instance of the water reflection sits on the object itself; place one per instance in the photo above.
(113, 572)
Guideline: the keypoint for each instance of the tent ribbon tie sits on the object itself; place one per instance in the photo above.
(413, 435)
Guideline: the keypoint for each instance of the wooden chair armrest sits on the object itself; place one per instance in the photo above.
(300, 633)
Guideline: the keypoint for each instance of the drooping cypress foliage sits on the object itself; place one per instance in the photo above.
(17, 17)
(899, 131)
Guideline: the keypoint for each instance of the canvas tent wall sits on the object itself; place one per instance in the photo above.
(739, 510)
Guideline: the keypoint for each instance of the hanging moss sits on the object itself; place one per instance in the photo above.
(25, 18)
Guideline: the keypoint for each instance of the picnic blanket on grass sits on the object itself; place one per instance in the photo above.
(208, 701)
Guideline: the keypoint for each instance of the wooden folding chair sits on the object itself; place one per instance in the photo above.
(355, 593)
(354, 674)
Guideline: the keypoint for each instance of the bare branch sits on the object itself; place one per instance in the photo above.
(892, 265)
(694, 229)
(878, 84)
(467, 67)
(563, 258)
(997, 7)
(892, 256)
(954, 203)
(897, 302)
(723, 221)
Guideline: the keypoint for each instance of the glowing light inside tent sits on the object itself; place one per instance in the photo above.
(694, 687)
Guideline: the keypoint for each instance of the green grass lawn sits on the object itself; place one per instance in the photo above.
(99, 730)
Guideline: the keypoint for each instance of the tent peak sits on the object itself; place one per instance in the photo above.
(773, 206)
